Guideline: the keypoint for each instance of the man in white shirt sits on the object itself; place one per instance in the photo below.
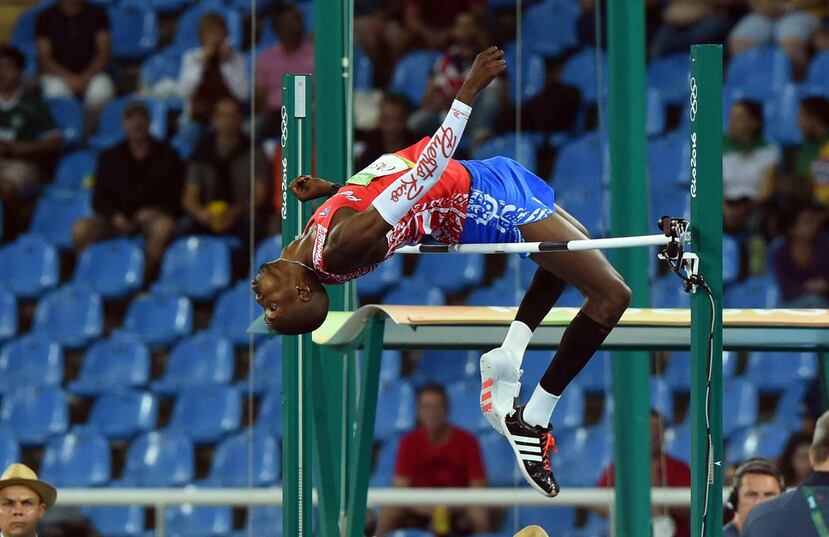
(24, 500)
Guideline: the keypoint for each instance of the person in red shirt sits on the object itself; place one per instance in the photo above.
(666, 471)
(437, 454)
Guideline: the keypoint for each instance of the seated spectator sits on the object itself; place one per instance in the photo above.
(217, 193)
(797, 511)
(74, 47)
(666, 471)
(448, 76)
(211, 72)
(812, 162)
(293, 53)
(686, 22)
(137, 191)
(427, 23)
(391, 134)
(755, 481)
(800, 266)
(794, 462)
(27, 136)
(789, 23)
(820, 41)
(749, 165)
(437, 454)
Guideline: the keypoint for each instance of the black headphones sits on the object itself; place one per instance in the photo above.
(755, 465)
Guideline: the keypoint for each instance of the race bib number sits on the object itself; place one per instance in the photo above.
(385, 165)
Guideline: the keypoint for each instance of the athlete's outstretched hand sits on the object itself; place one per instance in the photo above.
(488, 64)
(306, 187)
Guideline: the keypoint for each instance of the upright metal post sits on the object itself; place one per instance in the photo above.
(706, 241)
(297, 398)
(629, 216)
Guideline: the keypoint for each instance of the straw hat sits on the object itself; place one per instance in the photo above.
(20, 474)
(532, 531)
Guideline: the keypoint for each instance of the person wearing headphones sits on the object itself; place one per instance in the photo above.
(755, 481)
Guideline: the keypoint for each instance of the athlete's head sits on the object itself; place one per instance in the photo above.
(294, 300)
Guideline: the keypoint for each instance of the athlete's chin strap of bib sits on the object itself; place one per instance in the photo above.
(400, 196)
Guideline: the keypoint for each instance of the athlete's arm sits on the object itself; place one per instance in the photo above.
(306, 188)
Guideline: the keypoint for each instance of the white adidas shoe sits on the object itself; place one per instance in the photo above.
(499, 386)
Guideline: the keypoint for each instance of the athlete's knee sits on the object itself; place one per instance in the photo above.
(617, 298)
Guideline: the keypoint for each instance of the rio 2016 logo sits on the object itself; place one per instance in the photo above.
(283, 142)
(693, 114)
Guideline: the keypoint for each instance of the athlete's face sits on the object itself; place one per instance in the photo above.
(294, 300)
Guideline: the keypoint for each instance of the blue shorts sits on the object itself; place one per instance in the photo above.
(503, 195)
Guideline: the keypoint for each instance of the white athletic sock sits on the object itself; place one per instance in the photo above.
(518, 337)
(540, 408)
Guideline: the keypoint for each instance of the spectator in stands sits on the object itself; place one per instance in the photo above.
(24, 500)
(798, 511)
(448, 76)
(427, 23)
(820, 42)
(27, 136)
(812, 162)
(666, 471)
(794, 462)
(749, 165)
(210, 73)
(74, 47)
(685, 22)
(789, 23)
(800, 266)
(391, 134)
(437, 454)
(137, 190)
(755, 481)
(217, 192)
(293, 53)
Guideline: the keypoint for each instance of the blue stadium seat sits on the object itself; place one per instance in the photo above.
(818, 74)
(76, 171)
(669, 74)
(71, 315)
(197, 267)
(159, 320)
(409, 532)
(79, 458)
(113, 268)
(499, 461)
(666, 159)
(232, 314)
(264, 522)
(579, 167)
(23, 36)
(523, 149)
(32, 359)
(754, 292)
(766, 440)
(190, 521)
(412, 73)
(395, 409)
(382, 278)
(453, 273)
(67, 113)
(121, 361)
(597, 374)
(759, 72)
(791, 406)
(549, 27)
(124, 413)
(533, 72)
(205, 359)
(415, 291)
(363, 71)
(117, 521)
(164, 66)
(583, 456)
(780, 115)
(730, 258)
(137, 31)
(391, 365)
(8, 315)
(382, 475)
(741, 398)
(159, 459)
(500, 293)
(269, 419)
(110, 129)
(580, 71)
(555, 520)
(229, 467)
(775, 371)
(207, 414)
(29, 266)
(667, 292)
(35, 413)
(655, 113)
(669, 199)
(187, 34)
(445, 367)
(465, 406)
(56, 213)
(569, 413)
(678, 441)
(533, 366)
(662, 399)
(267, 367)
(9, 448)
(588, 206)
(267, 250)
(678, 371)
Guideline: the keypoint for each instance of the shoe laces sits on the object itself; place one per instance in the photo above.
(549, 443)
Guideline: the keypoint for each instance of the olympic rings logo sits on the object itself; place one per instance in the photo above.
(694, 95)
(284, 116)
